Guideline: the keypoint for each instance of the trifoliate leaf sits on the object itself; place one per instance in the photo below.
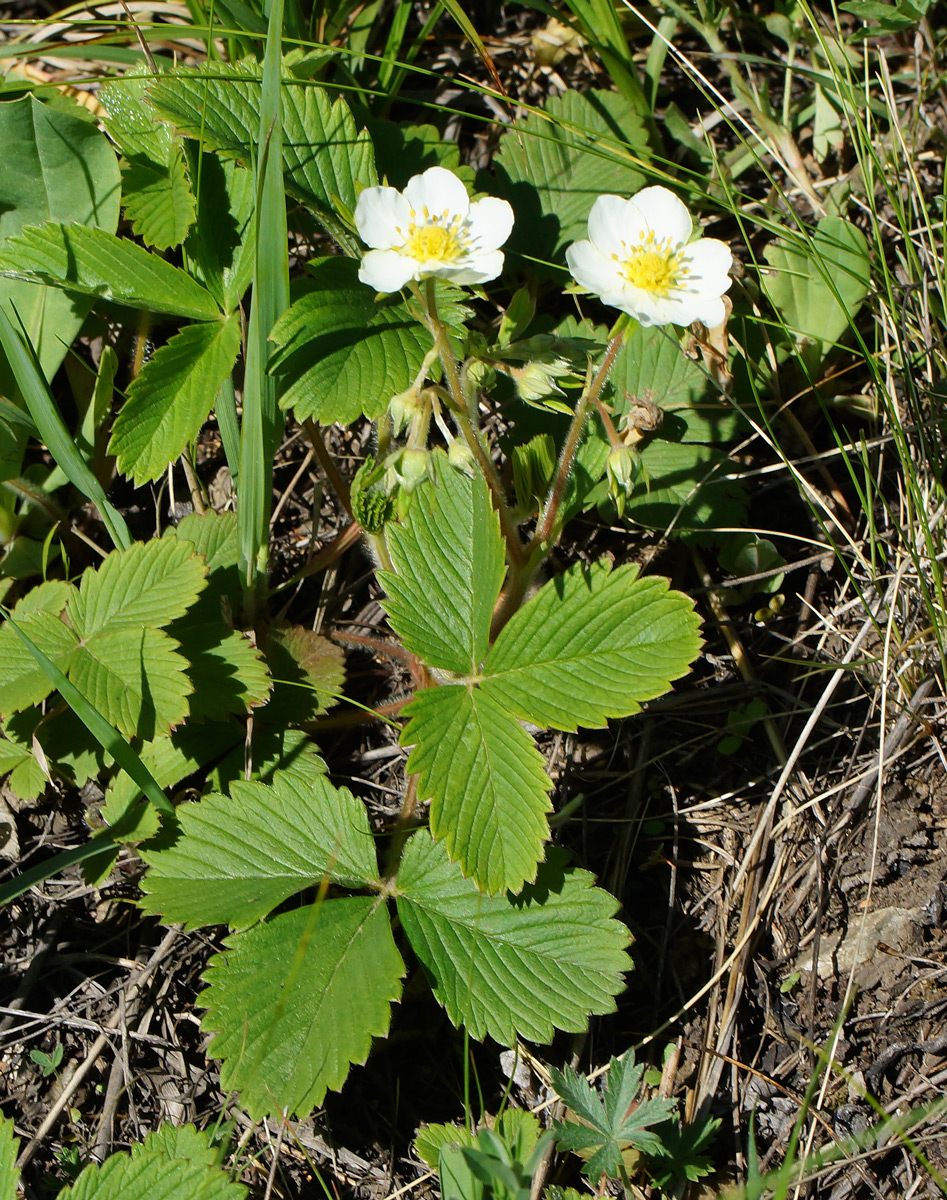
(340, 354)
(227, 673)
(298, 999)
(169, 400)
(448, 566)
(612, 1122)
(590, 645)
(239, 856)
(486, 781)
(149, 584)
(512, 966)
(689, 489)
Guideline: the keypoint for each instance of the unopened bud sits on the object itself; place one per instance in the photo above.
(460, 455)
(403, 408)
(622, 468)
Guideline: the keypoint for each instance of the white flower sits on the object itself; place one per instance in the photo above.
(430, 229)
(638, 259)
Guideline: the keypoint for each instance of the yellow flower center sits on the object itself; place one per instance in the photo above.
(653, 266)
(434, 239)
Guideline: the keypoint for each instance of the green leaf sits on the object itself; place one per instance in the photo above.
(819, 286)
(226, 671)
(554, 165)
(180, 1141)
(148, 585)
(152, 1175)
(487, 783)
(338, 354)
(98, 264)
(220, 244)
(652, 365)
(449, 565)
(512, 966)
(297, 999)
(136, 680)
(9, 1148)
(273, 749)
(22, 680)
(325, 158)
(171, 397)
(238, 857)
(613, 1122)
(405, 150)
(590, 645)
(688, 488)
(681, 1156)
(308, 674)
(155, 188)
(26, 778)
(56, 167)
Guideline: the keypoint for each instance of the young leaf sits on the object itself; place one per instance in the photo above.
(612, 1122)
(449, 564)
(512, 966)
(149, 585)
(341, 355)
(555, 164)
(169, 400)
(590, 645)
(297, 999)
(152, 1175)
(487, 783)
(95, 263)
(238, 857)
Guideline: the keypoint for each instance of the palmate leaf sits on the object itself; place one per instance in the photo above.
(169, 400)
(590, 645)
(153, 1175)
(512, 966)
(611, 1122)
(338, 354)
(553, 167)
(325, 157)
(487, 783)
(449, 565)
(238, 857)
(98, 264)
(298, 999)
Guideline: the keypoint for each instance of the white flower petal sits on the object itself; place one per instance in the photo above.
(381, 216)
(593, 269)
(608, 221)
(437, 189)
(658, 211)
(709, 261)
(387, 270)
(641, 305)
(475, 268)
(489, 224)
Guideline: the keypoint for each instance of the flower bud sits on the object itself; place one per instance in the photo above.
(460, 455)
(413, 468)
(622, 469)
(403, 408)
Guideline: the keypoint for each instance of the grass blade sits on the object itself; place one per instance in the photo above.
(262, 421)
(52, 429)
